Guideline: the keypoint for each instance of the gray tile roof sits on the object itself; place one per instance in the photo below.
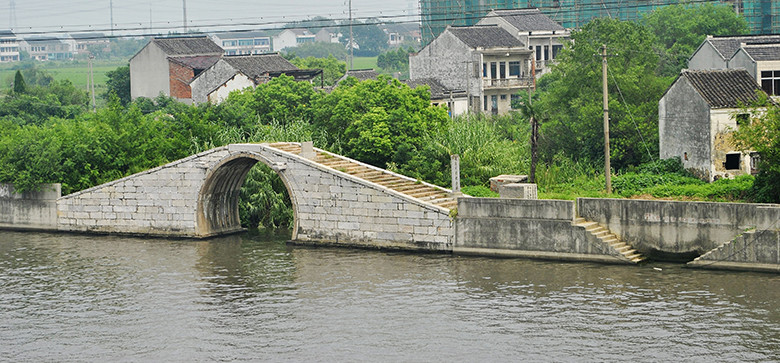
(7, 33)
(438, 90)
(526, 20)
(728, 45)
(188, 46)
(489, 36)
(256, 65)
(764, 53)
(242, 35)
(361, 74)
(87, 36)
(728, 88)
(198, 62)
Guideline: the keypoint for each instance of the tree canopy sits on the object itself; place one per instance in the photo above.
(570, 97)
(681, 28)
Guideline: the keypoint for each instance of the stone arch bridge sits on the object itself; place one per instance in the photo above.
(335, 199)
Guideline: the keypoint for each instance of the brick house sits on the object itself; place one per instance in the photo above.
(696, 116)
(488, 62)
(168, 65)
(232, 73)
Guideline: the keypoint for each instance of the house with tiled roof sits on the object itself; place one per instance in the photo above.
(488, 62)
(168, 65)
(233, 73)
(244, 42)
(715, 52)
(538, 31)
(697, 115)
(455, 100)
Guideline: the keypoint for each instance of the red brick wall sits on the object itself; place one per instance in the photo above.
(180, 77)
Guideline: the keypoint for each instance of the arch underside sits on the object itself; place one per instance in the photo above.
(218, 202)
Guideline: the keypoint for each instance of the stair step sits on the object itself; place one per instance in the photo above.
(424, 193)
(579, 220)
(633, 256)
(610, 241)
(595, 228)
(586, 224)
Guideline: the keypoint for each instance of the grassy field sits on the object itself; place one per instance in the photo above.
(364, 63)
(74, 71)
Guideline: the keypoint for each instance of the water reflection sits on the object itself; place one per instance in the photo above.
(73, 297)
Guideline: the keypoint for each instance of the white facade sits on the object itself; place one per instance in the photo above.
(9, 47)
(244, 43)
(291, 38)
(236, 83)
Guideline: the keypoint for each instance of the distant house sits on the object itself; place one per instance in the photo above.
(290, 38)
(398, 33)
(85, 41)
(696, 116)
(244, 43)
(168, 65)
(233, 73)
(536, 30)
(715, 52)
(488, 62)
(456, 101)
(360, 74)
(9, 47)
(758, 54)
(49, 48)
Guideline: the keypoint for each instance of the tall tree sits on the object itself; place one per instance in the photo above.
(570, 97)
(762, 135)
(681, 28)
(19, 86)
(118, 83)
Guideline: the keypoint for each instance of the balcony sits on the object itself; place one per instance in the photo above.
(506, 83)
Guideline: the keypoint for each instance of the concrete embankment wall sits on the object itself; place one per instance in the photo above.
(29, 210)
(684, 228)
(526, 228)
(751, 251)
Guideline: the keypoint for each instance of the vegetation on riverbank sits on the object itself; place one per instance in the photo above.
(48, 134)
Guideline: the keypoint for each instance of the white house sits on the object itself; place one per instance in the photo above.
(9, 47)
(696, 116)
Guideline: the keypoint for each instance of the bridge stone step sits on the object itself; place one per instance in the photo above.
(415, 189)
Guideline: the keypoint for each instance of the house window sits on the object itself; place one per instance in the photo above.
(503, 97)
(514, 99)
(245, 42)
(743, 119)
(755, 158)
(493, 72)
(555, 50)
(514, 69)
(546, 52)
(484, 70)
(484, 104)
(262, 41)
(229, 43)
(494, 104)
(538, 52)
(770, 82)
(732, 161)
(502, 70)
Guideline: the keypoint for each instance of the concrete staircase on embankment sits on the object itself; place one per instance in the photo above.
(422, 191)
(610, 239)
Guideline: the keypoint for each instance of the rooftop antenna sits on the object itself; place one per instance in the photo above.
(111, 7)
(12, 15)
(184, 6)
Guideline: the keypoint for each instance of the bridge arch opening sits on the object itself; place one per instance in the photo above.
(218, 210)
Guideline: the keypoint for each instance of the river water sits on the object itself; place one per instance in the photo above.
(252, 297)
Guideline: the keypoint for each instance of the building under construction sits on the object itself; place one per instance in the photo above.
(763, 16)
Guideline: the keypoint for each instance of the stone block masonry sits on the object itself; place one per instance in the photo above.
(198, 197)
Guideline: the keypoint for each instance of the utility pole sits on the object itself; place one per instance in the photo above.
(184, 7)
(111, 7)
(92, 82)
(607, 168)
(534, 124)
(351, 40)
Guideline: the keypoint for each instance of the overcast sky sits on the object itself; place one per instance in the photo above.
(135, 15)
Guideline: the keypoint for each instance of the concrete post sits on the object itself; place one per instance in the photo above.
(307, 150)
(455, 167)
